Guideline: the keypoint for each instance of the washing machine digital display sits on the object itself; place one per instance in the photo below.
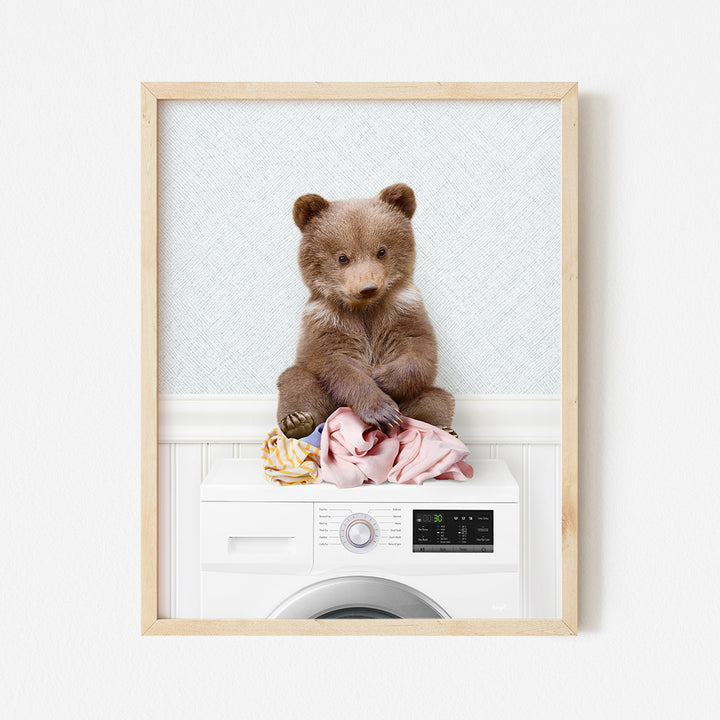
(452, 530)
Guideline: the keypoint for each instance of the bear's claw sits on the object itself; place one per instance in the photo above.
(297, 425)
(449, 430)
(385, 418)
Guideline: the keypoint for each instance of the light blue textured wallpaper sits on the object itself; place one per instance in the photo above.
(486, 175)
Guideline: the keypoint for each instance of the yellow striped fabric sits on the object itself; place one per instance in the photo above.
(288, 461)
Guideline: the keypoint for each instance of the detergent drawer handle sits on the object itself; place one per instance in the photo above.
(256, 545)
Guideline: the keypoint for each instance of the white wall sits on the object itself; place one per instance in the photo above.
(69, 257)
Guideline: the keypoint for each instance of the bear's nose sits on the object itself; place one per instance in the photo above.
(368, 290)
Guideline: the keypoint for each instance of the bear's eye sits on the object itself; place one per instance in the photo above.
(343, 260)
(381, 252)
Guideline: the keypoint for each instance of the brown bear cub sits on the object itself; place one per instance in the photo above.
(366, 341)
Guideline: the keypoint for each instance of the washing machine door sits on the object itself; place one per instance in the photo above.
(358, 597)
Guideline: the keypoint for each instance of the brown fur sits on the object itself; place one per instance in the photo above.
(366, 341)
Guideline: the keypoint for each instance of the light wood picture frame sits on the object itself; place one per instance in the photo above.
(154, 93)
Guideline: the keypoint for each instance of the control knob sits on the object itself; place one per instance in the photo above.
(359, 533)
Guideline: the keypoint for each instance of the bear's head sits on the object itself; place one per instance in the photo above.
(353, 252)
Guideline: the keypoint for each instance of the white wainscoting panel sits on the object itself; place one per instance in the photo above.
(197, 430)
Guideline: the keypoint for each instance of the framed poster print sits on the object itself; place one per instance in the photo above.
(233, 175)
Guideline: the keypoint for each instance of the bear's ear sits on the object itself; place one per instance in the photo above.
(307, 207)
(400, 196)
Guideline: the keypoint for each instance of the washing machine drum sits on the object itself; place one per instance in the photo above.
(358, 597)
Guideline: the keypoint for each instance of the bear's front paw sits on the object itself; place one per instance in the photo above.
(384, 415)
(297, 425)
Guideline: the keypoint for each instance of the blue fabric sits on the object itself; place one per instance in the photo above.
(314, 437)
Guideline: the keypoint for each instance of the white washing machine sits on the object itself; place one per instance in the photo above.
(445, 549)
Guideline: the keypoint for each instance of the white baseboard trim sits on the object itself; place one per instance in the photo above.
(525, 419)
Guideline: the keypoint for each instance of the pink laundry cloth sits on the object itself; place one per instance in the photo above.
(353, 453)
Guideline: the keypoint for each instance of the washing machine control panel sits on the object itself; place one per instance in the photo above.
(414, 537)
